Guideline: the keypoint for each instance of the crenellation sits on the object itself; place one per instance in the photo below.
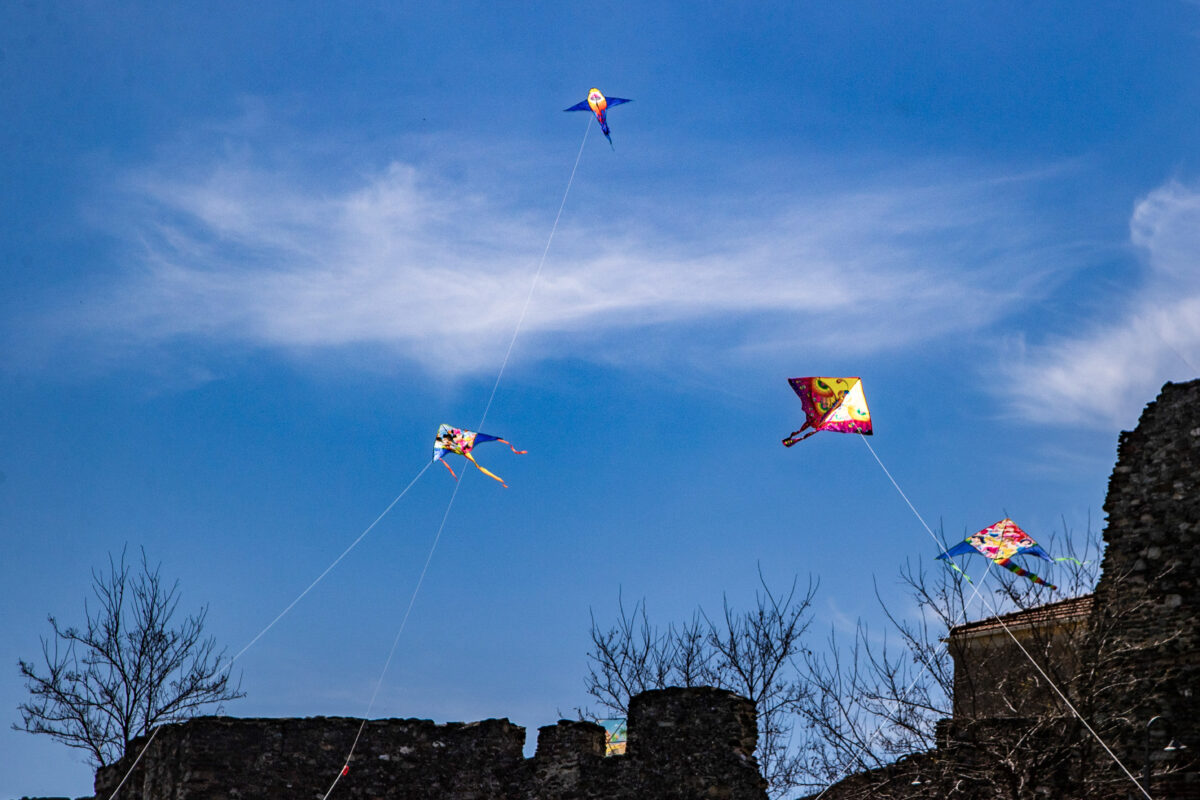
(692, 743)
(567, 755)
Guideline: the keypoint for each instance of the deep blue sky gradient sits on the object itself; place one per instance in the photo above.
(987, 211)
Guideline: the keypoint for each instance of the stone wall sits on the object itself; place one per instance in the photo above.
(1149, 595)
(992, 676)
(211, 757)
(684, 744)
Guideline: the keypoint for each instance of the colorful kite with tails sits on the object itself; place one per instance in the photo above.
(1000, 542)
(461, 441)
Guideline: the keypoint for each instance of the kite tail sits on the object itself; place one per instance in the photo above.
(1073, 560)
(604, 130)
(515, 450)
(792, 438)
(446, 464)
(958, 569)
(491, 475)
(1013, 568)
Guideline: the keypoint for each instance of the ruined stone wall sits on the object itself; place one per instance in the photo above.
(224, 757)
(683, 744)
(1148, 599)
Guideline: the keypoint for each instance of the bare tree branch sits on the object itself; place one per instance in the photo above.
(127, 670)
(993, 720)
(753, 653)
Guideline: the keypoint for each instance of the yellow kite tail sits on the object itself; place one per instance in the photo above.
(515, 450)
(491, 475)
(446, 464)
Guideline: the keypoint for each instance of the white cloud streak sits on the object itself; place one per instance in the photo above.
(1103, 376)
(237, 255)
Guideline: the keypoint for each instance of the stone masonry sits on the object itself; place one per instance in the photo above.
(684, 744)
(1150, 590)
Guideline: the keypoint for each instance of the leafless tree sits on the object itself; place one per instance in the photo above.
(754, 653)
(878, 698)
(126, 670)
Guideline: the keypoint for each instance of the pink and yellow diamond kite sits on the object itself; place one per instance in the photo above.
(831, 404)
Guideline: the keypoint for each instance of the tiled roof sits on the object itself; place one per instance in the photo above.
(1063, 609)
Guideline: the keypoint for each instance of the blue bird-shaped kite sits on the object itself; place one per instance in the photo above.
(598, 104)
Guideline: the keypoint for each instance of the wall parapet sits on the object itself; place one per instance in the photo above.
(683, 744)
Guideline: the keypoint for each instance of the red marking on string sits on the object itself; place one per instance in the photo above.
(346, 770)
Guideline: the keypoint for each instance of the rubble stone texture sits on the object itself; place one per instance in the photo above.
(684, 744)
(1150, 585)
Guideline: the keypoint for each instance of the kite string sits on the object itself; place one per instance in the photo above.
(429, 557)
(903, 495)
(396, 641)
(487, 408)
(229, 666)
(1074, 711)
(129, 771)
(536, 276)
(1017, 642)
(961, 615)
(335, 562)
(904, 695)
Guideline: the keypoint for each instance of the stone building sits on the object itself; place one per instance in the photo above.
(992, 676)
(1128, 656)
(683, 744)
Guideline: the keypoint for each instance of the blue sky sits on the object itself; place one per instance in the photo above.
(253, 256)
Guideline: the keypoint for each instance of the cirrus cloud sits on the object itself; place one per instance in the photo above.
(247, 256)
(1103, 375)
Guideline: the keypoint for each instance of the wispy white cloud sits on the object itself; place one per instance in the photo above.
(1104, 376)
(244, 255)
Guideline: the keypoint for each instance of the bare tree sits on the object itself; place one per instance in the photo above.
(126, 670)
(997, 723)
(753, 653)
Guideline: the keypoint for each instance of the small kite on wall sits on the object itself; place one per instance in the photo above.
(616, 736)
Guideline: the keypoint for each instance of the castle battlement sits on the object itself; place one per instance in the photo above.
(683, 743)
